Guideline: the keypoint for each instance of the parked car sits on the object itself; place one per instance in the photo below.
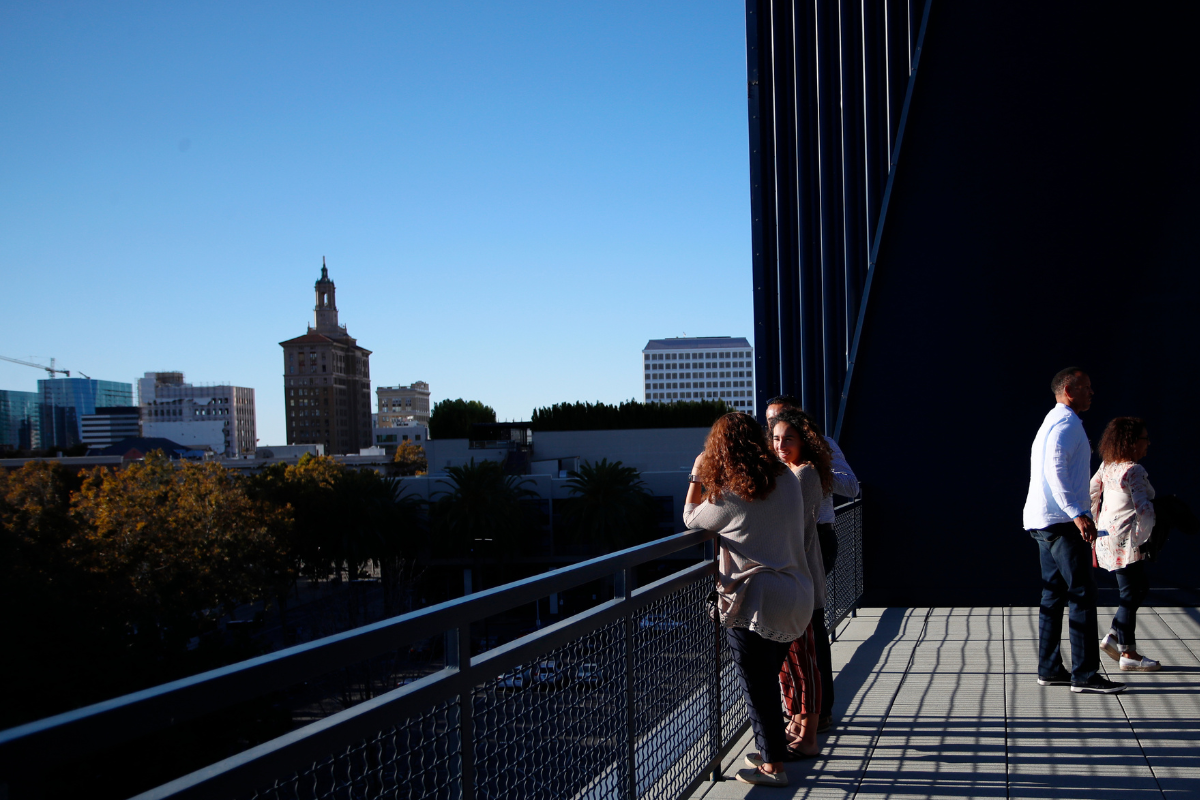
(549, 674)
(659, 622)
(511, 681)
(589, 675)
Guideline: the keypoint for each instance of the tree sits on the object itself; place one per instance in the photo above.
(410, 459)
(628, 415)
(344, 519)
(452, 419)
(169, 542)
(41, 591)
(609, 506)
(482, 515)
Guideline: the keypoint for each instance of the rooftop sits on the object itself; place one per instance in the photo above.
(689, 343)
(944, 702)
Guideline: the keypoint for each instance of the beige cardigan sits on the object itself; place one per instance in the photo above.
(763, 578)
(814, 495)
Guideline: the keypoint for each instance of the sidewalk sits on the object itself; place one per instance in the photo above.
(935, 703)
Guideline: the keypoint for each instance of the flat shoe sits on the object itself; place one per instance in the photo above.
(1134, 665)
(757, 778)
(1109, 645)
(756, 759)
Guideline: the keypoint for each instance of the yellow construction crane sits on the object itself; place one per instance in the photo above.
(50, 369)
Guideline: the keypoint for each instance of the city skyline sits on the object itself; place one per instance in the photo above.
(502, 232)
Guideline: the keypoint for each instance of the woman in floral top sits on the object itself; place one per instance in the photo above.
(1121, 495)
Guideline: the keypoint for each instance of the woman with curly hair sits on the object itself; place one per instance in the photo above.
(1121, 495)
(806, 453)
(740, 490)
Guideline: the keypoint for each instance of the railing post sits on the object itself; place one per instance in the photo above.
(716, 737)
(624, 588)
(458, 657)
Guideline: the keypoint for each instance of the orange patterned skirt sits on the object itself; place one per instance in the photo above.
(800, 678)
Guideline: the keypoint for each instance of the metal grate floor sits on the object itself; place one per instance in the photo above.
(944, 702)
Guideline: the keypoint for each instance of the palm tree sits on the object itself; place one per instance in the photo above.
(482, 516)
(609, 506)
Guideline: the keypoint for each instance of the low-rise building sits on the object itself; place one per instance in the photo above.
(392, 437)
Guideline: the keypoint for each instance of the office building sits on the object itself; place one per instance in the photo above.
(65, 401)
(402, 405)
(219, 416)
(700, 368)
(392, 436)
(327, 381)
(110, 424)
(20, 420)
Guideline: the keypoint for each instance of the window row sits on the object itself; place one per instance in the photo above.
(698, 385)
(691, 356)
(699, 365)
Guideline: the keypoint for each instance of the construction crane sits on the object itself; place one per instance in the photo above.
(50, 369)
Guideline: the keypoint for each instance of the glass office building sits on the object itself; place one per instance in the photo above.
(65, 400)
(20, 421)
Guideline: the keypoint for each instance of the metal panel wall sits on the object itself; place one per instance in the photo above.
(828, 84)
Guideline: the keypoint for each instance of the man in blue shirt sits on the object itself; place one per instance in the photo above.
(1058, 515)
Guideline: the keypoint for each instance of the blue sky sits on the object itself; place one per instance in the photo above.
(511, 197)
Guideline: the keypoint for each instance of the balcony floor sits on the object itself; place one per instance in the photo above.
(944, 702)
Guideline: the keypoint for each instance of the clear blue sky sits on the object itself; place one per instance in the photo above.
(512, 197)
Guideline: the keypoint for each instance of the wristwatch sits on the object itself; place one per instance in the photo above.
(693, 479)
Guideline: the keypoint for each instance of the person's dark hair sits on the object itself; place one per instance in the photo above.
(1064, 378)
(738, 459)
(813, 447)
(1120, 438)
(787, 401)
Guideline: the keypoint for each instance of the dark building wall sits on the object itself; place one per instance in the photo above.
(1044, 214)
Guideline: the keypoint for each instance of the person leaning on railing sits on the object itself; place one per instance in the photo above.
(741, 491)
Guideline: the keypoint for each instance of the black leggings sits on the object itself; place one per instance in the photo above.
(758, 662)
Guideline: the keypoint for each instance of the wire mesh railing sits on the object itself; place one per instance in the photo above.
(636, 697)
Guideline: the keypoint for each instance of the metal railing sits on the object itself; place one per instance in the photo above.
(636, 697)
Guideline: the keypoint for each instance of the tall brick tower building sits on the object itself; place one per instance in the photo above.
(327, 381)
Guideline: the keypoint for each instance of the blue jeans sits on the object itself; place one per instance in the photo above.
(1066, 562)
(1134, 585)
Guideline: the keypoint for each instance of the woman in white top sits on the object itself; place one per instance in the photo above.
(739, 489)
(1121, 495)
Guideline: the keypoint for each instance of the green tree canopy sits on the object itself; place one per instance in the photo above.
(609, 506)
(482, 514)
(452, 419)
(628, 415)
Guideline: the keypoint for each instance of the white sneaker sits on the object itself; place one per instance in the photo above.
(1136, 665)
(1109, 645)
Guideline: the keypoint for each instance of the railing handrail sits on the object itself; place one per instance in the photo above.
(101, 725)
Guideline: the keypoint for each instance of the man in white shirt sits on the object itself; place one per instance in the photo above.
(845, 484)
(1058, 515)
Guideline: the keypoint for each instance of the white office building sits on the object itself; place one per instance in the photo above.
(220, 416)
(700, 368)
